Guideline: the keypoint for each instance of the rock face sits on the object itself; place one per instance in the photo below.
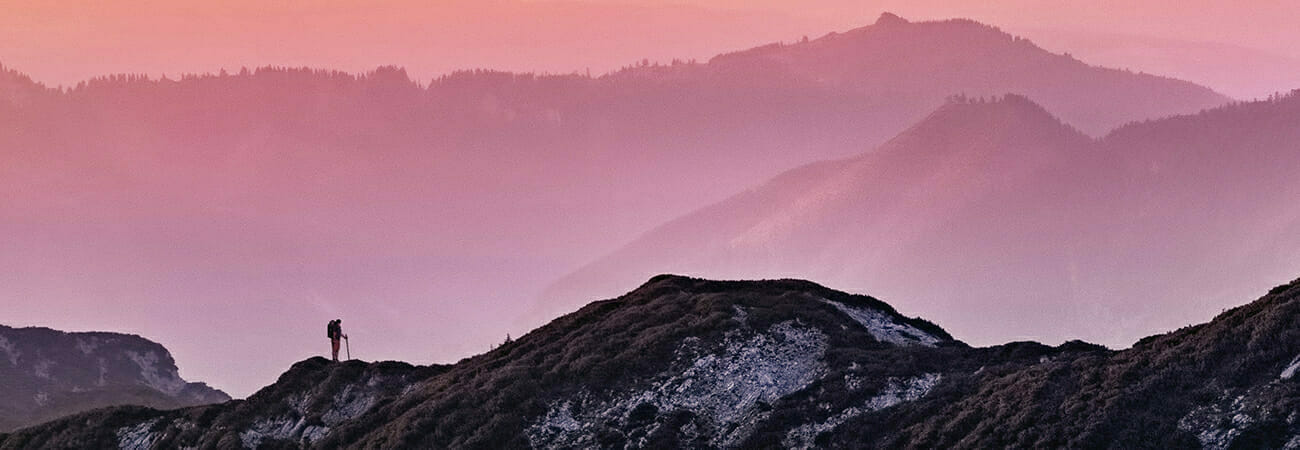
(684, 362)
(48, 373)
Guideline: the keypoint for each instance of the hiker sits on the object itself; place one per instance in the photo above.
(335, 332)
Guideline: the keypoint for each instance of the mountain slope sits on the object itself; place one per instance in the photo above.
(18, 90)
(997, 220)
(48, 374)
(942, 197)
(1236, 71)
(683, 362)
(1228, 383)
(916, 65)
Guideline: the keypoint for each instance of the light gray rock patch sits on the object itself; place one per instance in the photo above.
(896, 391)
(742, 316)
(1290, 369)
(349, 403)
(42, 369)
(723, 390)
(87, 345)
(853, 381)
(41, 398)
(1219, 423)
(885, 328)
(137, 437)
(165, 381)
(283, 428)
(279, 428)
(559, 419)
(314, 433)
(10, 351)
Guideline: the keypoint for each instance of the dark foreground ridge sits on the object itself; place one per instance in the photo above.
(684, 362)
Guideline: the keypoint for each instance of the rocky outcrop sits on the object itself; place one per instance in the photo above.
(49, 373)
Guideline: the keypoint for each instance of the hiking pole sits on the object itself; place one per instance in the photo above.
(348, 344)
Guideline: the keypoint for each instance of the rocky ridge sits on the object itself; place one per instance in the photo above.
(49, 373)
(693, 363)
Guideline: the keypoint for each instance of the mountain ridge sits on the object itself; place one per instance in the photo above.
(989, 58)
(761, 363)
(50, 373)
(1031, 207)
(1015, 136)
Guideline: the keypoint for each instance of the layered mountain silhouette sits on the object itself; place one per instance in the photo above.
(49, 374)
(682, 362)
(914, 66)
(316, 181)
(999, 220)
(1236, 71)
(18, 90)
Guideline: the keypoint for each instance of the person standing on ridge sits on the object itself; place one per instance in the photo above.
(335, 332)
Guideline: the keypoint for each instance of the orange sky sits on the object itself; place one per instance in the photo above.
(67, 41)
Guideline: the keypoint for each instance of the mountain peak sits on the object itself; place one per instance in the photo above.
(878, 318)
(888, 18)
(1016, 106)
(50, 373)
(999, 120)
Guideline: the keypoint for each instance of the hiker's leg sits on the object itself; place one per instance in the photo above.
(334, 343)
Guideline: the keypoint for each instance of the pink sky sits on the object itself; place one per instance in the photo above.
(68, 41)
(61, 43)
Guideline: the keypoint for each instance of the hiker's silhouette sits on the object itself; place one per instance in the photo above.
(335, 332)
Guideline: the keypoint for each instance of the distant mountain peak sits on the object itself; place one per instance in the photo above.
(50, 373)
(923, 61)
(888, 18)
(1003, 119)
(1018, 106)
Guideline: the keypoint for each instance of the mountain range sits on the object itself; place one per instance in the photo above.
(49, 374)
(998, 219)
(1239, 72)
(683, 362)
(339, 194)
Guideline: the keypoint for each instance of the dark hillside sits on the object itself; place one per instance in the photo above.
(1225, 384)
(682, 362)
(48, 374)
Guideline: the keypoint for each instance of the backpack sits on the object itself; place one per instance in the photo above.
(329, 330)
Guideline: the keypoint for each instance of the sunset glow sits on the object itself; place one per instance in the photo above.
(223, 177)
